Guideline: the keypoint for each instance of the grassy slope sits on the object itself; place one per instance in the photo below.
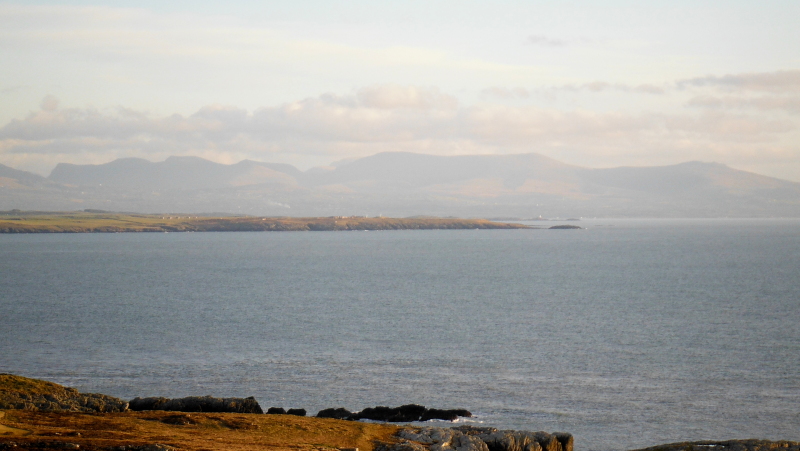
(195, 431)
(19, 222)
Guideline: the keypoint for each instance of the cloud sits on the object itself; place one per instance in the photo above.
(14, 89)
(49, 103)
(500, 92)
(603, 86)
(647, 89)
(545, 41)
(396, 96)
(394, 117)
(784, 81)
(790, 104)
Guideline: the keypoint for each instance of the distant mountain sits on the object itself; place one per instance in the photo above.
(405, 184)
(10, 176)
(176, 173)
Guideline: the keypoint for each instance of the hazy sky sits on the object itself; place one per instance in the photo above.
(596, 84)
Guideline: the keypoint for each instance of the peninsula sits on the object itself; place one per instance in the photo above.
(15, 221)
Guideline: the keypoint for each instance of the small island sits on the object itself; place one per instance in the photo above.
(15, 221)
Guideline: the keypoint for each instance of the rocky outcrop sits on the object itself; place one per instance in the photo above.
(339, 413)
(403, 414)
(444, 439)
(282, 411)
(18, 392)
(197, 404)
(470, 438)
(728, 445)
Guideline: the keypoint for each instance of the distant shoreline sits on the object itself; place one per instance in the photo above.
(94, 222)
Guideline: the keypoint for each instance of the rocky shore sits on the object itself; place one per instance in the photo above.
(39, 415)
(470, 438)
(31, 394)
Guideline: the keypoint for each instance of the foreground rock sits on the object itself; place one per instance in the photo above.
(470, 438)
(197, 404)
(282, 411)
(403, 414)
(31, 394)
(728, 445)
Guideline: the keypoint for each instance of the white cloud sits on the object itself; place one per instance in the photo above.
(545, 41)
(789, 103)
(395, 96)
(380, 118)
(500, 92)
(782, 82)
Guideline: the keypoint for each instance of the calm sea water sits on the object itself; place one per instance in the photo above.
(630, 333)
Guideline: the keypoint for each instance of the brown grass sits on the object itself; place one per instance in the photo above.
(192, 431)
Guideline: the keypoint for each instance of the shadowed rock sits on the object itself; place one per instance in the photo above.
(276, 411)
(197, 404)
(406, 413)
(296, 412)
(340, 413)
(403, 414)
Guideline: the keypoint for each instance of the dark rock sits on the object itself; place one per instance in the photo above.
(564, 227)
(340, 414)
(296, 412)
(276, 411)
(406, 413)
(139, 404)
(566, 440)
(197, 404)
(403, 414)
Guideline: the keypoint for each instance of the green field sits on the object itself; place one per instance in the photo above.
(91, 222)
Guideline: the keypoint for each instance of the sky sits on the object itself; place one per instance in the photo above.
(310, 83)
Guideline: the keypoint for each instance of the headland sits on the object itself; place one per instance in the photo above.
(41, 415)
(14, 221)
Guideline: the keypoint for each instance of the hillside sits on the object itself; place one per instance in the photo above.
(405, 184)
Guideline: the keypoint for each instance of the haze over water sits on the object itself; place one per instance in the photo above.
(630, 333)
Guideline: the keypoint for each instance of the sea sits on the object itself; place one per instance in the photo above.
(626, 333)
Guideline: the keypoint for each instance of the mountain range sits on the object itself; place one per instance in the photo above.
(404, 184)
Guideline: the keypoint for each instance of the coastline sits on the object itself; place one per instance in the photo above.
(92, 222)
(36, 415)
